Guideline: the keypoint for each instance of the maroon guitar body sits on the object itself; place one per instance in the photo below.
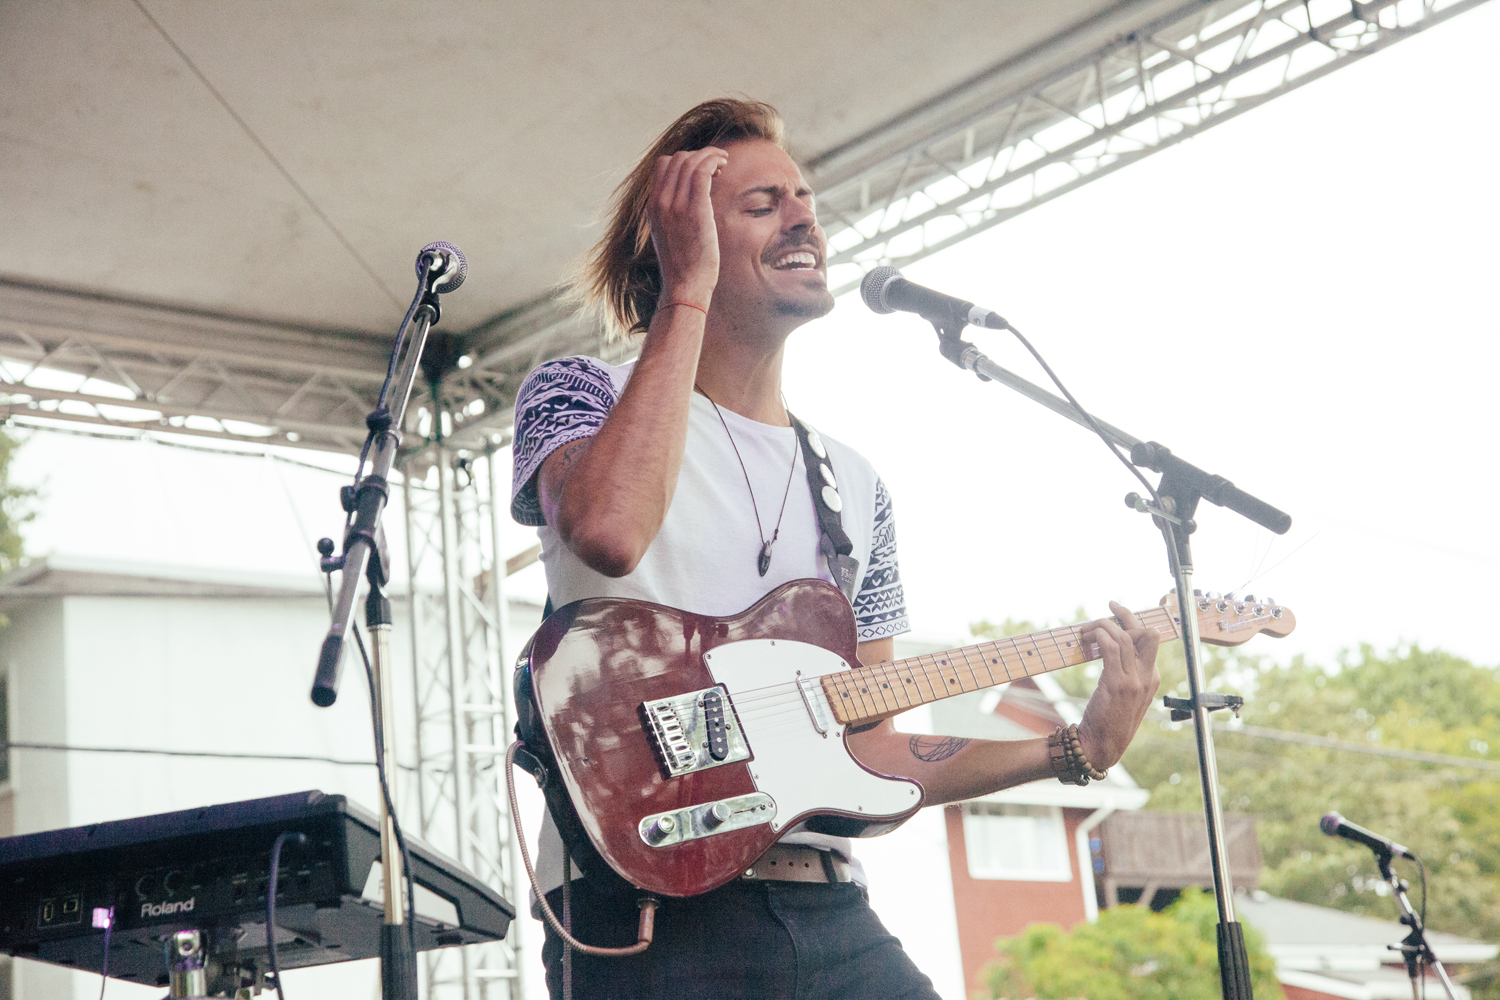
(596, 663)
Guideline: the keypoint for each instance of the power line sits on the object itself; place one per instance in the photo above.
(245, 126)
(1305, 739)
(148, 437)
(1308, 739)
(216, 754)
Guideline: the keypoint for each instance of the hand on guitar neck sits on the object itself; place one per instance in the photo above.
(952, 768)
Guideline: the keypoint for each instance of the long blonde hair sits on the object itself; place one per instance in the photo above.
(620, 279)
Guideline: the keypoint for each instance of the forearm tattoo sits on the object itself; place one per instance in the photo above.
(936, 748)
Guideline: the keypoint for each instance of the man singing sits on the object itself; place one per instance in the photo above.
(679, 479)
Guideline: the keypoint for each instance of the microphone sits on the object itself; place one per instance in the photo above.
(1337, 826)
(447, 264)
(885, 291)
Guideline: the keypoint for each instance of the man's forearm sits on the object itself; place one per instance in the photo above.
(952, 768)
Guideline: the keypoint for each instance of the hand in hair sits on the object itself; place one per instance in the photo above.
(681, 217)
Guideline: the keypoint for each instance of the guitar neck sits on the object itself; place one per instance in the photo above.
(868, 694)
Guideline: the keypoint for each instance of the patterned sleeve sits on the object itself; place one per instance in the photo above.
(561, 401)
(880, 605)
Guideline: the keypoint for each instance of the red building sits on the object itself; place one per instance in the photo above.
(1023, 856)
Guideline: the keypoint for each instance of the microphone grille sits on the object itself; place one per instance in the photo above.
(1330, 823)
(872, 289)
(455, 266)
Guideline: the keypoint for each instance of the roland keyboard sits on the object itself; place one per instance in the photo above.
(206, 869)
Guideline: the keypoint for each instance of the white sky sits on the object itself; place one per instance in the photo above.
(1297, 300)
(1300, 300)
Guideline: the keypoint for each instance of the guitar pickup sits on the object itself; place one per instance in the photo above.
(694, 731)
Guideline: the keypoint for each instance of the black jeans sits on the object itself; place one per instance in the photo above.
(751, 940)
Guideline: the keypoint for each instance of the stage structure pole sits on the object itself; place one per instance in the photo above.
(455, 573)
(1172, 507)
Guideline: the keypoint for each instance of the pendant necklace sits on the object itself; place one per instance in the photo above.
(764, 562)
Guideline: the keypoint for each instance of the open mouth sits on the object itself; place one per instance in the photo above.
(796, 260)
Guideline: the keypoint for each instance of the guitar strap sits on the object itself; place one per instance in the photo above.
(834, 541)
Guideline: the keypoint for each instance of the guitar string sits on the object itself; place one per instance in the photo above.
(1167, 628)
(784, 697)
(786, 694)
(878, 703)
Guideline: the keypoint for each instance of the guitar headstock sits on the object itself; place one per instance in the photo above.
(1230, 620)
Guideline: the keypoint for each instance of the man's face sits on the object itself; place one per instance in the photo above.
(772, 256)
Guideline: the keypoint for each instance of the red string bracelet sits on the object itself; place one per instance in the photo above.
(690, 306)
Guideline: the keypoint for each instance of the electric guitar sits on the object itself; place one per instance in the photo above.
(689, 744)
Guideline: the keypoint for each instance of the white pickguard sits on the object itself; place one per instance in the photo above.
(802, 769)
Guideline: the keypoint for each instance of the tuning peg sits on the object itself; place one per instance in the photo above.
(1249, 598)
(1271, 601)
(1197, 593)
(1229, 596)
(1213, 595)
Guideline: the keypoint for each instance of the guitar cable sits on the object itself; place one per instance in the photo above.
(648, 904)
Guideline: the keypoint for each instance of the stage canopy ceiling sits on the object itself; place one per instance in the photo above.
(211, 211)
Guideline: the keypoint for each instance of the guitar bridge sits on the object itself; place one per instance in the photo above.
(694, 731)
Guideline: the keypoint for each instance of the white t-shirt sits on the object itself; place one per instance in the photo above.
(704, 558)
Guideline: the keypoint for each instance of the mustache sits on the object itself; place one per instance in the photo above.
(811, 244)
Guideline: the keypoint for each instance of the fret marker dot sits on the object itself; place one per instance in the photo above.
(1028, 652)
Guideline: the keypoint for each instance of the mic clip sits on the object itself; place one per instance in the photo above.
(955, 348)
(1182, 708)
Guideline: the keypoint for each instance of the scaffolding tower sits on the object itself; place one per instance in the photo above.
(463, 717)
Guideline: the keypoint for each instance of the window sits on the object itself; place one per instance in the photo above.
(1024, 843)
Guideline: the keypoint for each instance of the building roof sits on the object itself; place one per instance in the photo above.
(1317, 938)
(71, 576)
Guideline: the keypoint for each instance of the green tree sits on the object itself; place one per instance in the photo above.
(15, 507)
(1131, 953)
(1406, 698)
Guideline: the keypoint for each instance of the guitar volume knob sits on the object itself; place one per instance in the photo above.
(660, 830)
(716, 814)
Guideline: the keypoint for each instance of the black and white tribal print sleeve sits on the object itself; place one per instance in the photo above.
(880, 605)
(561, 401)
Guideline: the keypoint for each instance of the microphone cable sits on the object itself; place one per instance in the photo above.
(281, 839)
(385, 794)
(1114, 448)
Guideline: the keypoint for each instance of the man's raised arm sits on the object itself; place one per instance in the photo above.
(606, 496)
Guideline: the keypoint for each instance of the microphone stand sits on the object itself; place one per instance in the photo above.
(365, 555)
(1181, 487)
(1414, 948)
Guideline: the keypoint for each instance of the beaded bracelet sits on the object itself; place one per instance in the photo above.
(1069, 765)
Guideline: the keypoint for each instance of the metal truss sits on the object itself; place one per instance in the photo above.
(462, 715)
(1005, 143)
(1144, 92)
(135, 367)
(1013, 138)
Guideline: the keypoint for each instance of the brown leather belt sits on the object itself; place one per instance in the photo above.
(798, 863)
